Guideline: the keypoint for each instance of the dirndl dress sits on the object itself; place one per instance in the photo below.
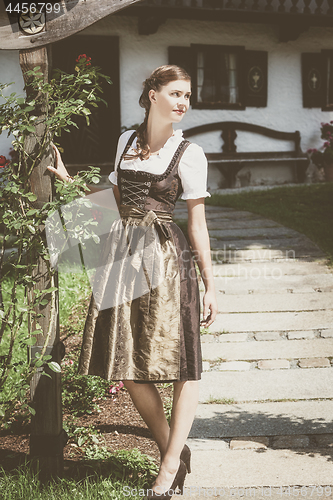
(152, 336)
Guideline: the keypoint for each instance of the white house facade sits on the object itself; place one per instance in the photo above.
(291, 86)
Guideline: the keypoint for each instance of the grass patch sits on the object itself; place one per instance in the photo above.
(204, 330)
(120, 474)
(73, 288)
(220, 401)
(306, 208)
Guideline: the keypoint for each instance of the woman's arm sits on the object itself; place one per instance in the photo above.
(61, 172)
(199, 238)
(103, 198)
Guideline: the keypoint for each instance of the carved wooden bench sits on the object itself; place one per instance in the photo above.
(230, 161)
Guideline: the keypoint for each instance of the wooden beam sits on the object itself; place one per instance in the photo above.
(236, 15)
(74, 16)
(46, 439)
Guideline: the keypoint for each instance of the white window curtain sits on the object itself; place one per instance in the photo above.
(200, 74)
(231, 65)
(217, 79)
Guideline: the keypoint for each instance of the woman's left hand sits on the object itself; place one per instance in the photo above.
(210, 309)
(59, 170)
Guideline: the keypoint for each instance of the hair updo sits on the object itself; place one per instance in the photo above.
(160, 76)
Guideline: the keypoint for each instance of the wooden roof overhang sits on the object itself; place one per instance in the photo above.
(291, 16)
(73, 16)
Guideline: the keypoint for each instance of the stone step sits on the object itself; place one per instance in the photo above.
(268, 269)
(263, 322)
(224, 211)
(274, 493)
(312, 301)
(232, 471)
(260, 232)
(227, 224)
(256, 281)
(265, 336)
(267, 254)
(181, 206)
(277, 274)
(263, 419)
(261, 385)
(287, 246)
(221, 213)
(271, 349)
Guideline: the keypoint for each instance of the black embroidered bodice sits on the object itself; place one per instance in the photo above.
(151, 191)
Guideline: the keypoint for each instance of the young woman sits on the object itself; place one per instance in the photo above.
(156, 337)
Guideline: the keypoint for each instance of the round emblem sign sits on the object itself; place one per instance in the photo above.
(314, 80)
(32, 23)
(255, 79)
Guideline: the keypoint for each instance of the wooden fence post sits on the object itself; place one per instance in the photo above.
(47, 436)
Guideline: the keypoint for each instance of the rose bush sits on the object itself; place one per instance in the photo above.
(324, 155)
(23, 223)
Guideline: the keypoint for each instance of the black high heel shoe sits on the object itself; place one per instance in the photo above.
(177, 482)
(185, 456)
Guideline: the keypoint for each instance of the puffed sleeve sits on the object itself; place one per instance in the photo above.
(122, 141)
(192, 171)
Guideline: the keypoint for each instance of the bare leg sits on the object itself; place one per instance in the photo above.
(171, 440)
(185, 401)
(147, 401)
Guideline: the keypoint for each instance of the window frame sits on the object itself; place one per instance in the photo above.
(240, 50)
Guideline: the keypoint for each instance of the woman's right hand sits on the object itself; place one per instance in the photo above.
(59, 170)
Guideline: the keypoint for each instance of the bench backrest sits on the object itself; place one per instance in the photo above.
(229, 135)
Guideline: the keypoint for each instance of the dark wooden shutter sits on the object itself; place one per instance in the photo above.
(255, 81)
(183, 57)
(313, 80)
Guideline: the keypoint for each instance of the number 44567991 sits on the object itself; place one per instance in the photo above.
(25, 7)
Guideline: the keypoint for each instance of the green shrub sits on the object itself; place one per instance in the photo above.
(81, 393)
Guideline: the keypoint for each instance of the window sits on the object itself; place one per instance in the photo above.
(218, 77)
(224, 77)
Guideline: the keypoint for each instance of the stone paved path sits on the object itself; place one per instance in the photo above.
(264, 419)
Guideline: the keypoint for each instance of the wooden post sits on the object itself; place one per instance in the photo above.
(46, 439)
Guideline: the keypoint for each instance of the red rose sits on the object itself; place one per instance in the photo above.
(3, 161)
(84, 56)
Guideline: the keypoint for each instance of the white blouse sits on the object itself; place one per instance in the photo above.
(192, 168)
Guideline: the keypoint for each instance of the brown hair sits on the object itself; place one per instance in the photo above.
(160, 76)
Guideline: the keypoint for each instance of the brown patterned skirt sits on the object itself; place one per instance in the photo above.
(143, 321)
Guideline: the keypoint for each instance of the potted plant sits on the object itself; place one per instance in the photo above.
(323, 157)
